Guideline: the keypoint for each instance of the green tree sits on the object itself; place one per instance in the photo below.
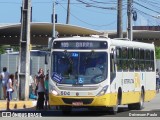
(2, 49)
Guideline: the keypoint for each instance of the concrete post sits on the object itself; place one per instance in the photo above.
(129, 14)
(24, 57)
(119, 19)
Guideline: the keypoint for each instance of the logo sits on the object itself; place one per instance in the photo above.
(6, 114)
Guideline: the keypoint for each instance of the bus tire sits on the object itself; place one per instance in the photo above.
(137, 106)
(119, 96)
(66, 110)
(140, 105)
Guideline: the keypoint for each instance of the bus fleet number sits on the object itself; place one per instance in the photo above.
(65, 93)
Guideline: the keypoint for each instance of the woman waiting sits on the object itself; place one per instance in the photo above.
(10, 90)
(40, 89)
(46, 91)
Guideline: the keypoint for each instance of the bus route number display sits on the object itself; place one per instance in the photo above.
(80, 45)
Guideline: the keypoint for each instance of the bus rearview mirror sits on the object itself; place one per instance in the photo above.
(114, 57)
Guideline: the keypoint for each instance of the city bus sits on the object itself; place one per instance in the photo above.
(101, 73)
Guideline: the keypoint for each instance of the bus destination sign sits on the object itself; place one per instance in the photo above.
(80, 45)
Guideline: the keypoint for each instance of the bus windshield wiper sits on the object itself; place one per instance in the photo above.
(88, 56)
(69, 58)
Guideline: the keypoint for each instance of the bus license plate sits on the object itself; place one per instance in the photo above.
(77, 103)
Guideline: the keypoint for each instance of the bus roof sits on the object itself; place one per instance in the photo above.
(135, 44)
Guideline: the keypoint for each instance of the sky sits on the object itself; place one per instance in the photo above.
(93, 14)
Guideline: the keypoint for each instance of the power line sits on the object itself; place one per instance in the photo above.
(150, 3)
(87, 22)
(146, 7)
(146, 13)
(10, 2)
(112, 2)
(92, 5)
(94, 11)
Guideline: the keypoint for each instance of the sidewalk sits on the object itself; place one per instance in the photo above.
(18, 104)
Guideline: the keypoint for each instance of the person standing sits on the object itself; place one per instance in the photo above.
(10, 90)
(5, 77)
(157, 79)
(40, 89)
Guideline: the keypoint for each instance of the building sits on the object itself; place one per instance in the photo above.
(40, 32)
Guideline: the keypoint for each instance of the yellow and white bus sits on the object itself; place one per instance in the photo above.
(101, 72)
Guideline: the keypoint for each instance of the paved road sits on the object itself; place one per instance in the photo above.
(151, 108)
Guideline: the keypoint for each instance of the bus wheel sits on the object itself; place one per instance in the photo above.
(66, 110)
(137, 106)
(140, 105)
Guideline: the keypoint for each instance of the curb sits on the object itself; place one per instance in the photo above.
(18, 104)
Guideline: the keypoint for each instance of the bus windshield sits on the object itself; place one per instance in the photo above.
(79, 67)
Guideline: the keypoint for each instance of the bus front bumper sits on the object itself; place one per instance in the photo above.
(105, 100)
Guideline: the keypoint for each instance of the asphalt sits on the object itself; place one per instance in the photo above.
(18, 104)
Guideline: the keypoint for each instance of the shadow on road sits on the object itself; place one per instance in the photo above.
(155, 110)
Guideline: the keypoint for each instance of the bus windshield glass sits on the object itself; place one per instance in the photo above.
(79, 67)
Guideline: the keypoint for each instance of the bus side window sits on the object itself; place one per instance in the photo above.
(147, 60)
(130, 59)
(142, 61)
(136, 53)
(152, 60)
(125, 59)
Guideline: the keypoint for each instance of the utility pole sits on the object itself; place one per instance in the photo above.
(24, 55)
(53, 22)
(119, 19)
(129, 14)
(50, 40)
(68, 12)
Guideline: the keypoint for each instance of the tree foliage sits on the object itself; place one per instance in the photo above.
(2, 49)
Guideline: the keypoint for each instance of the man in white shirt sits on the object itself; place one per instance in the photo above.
(4, 77)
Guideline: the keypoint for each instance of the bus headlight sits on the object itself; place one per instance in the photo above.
(53, 91)
(103, 91)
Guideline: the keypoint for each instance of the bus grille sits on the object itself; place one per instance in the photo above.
(78, 88)
(71, 100)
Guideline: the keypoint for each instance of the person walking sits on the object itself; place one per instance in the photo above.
(40, 89)
(10, 90)
(4, 76)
